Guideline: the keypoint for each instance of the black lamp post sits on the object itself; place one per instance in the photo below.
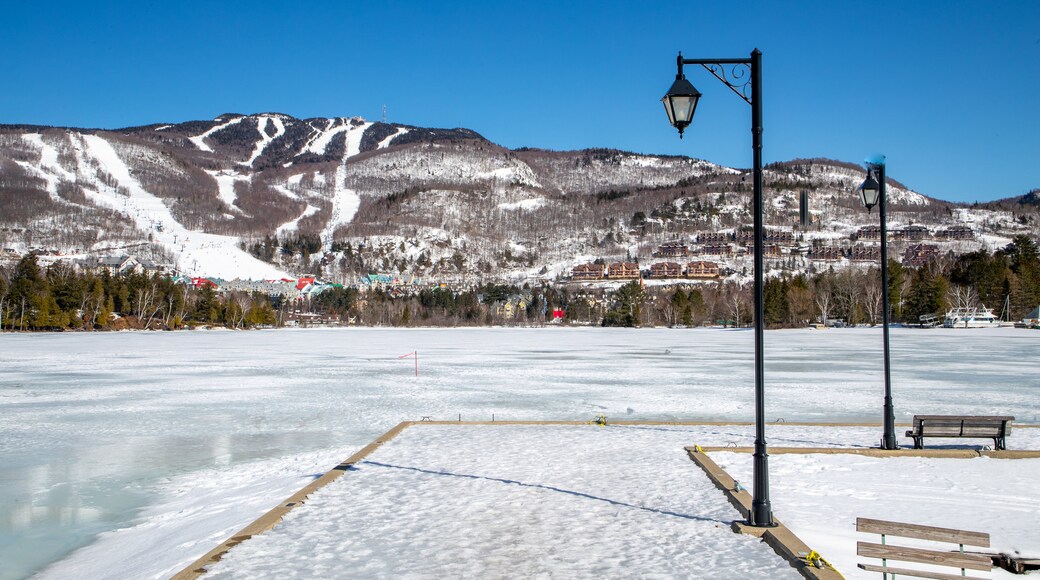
(873, 192)
(680, 103)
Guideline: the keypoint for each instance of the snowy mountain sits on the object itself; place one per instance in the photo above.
(269, 195)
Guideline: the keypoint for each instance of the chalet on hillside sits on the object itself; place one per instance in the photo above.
(744, 237)
(623, 271)
(199, 282)
(666, 270)
(588, 272)
(747, 237)
(768, 250)
(713, 238)
(118, 265)
(911, 233)
(869, 233)
(672, 250)
(920, 254)
(111, 264)
(955, 233)
(702, 269)
(718, 250)
(779, 237)
(512, 306)
(149, 267)
(406, 284)
(865, 254)
(826, 253)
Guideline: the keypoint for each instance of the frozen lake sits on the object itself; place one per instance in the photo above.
(167, 442)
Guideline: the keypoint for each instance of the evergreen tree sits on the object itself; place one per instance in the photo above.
(927, 295)
(1024, 261)
(695, 305)
(30, 297)
(680, 305)
(260, 313)
(896, 283)
(986, 273)
(628, 308)
(776, 302)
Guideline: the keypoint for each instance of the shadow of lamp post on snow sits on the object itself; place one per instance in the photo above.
(872, 190)
(742, 76)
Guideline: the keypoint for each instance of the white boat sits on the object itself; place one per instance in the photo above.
(971, 317)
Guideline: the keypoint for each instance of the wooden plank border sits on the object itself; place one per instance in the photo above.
(269, 520)
(783, 541)
(876, 452)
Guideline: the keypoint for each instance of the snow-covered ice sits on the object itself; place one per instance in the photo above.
(124, 442)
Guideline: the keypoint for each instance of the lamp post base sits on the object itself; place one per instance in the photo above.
(764, 519)
(761, 513)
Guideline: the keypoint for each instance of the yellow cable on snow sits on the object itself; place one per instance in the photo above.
(815, 559)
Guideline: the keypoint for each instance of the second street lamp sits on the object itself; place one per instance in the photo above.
(873, 192)
(680, 102)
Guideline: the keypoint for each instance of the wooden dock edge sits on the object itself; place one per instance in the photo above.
(269, 520)
(877, 452)
(780, 538)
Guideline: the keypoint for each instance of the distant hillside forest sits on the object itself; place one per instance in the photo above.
(61, 298)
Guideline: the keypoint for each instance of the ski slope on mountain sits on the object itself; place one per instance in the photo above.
(196, 253)
(451, 198)
(200, 140)
(265, 139)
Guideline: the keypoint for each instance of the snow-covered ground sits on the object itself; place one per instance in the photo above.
(586, 501)
(521, 502)
(820, 496)
(151, 448)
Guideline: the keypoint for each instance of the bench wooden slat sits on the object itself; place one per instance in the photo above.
(917, 573)
(969, 417)
(922, 556)
(871, 526)
(982, 431)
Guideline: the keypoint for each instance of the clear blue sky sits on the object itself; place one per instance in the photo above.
(948, 91)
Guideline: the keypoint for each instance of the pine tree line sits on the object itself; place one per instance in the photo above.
(60, 298)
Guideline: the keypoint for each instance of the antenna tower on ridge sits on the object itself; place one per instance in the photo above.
(384, 114)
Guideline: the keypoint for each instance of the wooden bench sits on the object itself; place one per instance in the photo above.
(886, 552)
(994, 427)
